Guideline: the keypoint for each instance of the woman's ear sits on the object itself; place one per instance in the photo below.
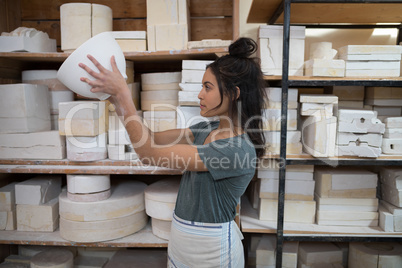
(237, 93)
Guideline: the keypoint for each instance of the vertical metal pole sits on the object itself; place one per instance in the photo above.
(284, 111)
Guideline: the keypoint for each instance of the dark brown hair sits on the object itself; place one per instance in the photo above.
(239, 70)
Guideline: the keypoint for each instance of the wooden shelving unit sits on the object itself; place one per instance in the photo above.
(107, 166)
(209, 20)
(251, 224)
(172, 55)
(323, 13)
(143, 238)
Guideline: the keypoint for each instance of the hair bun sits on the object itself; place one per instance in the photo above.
(243, 48)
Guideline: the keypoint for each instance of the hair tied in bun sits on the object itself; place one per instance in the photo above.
(243, 48)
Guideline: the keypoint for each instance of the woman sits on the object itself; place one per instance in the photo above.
(218, 158)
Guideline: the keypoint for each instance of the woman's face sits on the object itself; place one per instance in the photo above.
(210, 97)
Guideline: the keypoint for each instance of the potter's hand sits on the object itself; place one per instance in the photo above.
(110, 82)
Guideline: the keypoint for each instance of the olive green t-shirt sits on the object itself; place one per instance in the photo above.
(212, 196)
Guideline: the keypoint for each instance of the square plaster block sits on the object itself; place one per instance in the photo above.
(117, 133)
(295, 210)
(83, 118)
(75, 25)
(274, 96)
(383, 93)
(372, 65)
(391, 195)
(338, 183)
(346, 216)
(160, 121)
(346, 204)
(38, 41)
(85, 149)
(167, 11)
(294, 189)
(396, 212)
(324, 67)
(195, 64)
(208, 43)
(372, 73)
(195, 87)
(392, 146)
(37, 145)
(293, 144)
(369, 49)
(393, 122)
(132, 45)
(391, 176)
(317, 109)
(164, 78)
(270, 53)
(270, 31)
(319, 135)
(347, 93)
(371, 139)
(371, 57)
(318, 98)
(393, 133)
(272, 119)
(171, 36)
(24, 108)
(189, 115)
(266, 252)
(359, 121)
(189, 98)
(192, 76)
(38, 190)
(386, 220)
(274, 137)
(38, 218)
(361, 150)
(7, 197)
(270, 38)
(319, 252)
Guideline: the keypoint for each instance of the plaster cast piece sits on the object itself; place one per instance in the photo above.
(56, 258)
(83, 184)
(38, 218)
(24, 108)
(295, 210)
(359, 121)
(127, 198)
(38, 190)
(103, 230)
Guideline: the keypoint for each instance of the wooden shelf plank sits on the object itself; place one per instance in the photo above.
(134, 56)
(251, 224)
(261, 11)
(71, 167)
(313, 81)
(143, 238)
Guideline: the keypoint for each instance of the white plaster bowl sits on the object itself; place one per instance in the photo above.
(102, 46)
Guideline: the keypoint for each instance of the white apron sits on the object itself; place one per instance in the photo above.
(197, 244)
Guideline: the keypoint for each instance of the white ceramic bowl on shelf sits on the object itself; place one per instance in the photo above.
(102, 47)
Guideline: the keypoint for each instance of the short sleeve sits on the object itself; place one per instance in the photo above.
(203, 127)
(229, 158)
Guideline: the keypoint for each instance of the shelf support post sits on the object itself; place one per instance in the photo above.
(284, 111)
